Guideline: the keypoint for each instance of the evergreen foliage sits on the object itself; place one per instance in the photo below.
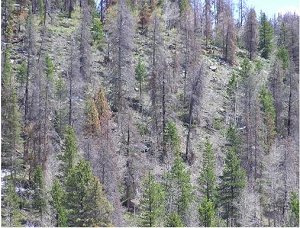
(152, 206)
(294, 202)
(283, 55)
(49, 68)
(10, 208)
(21, 73)
(208, 187)
(246, 67)
(208, 178)
(58, 202)
(97, 30)
(233, 137)
(232, 183)
(172, 137)
(180, 184)
(207, 212)
(267, 102)
(265, 36)
(10, 119)
(232, 84)
(174, 220)
(39, 197)
(70, 151)
(86, 203)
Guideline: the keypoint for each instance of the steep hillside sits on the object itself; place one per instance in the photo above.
(148, 113)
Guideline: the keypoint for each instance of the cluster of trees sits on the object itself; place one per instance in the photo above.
(76, 154)
(166, 203)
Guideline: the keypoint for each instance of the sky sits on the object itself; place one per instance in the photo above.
(274, 6)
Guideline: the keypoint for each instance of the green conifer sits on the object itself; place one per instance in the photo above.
(10, 211)
(152, 206)
(70, 151)
(172, 137)
(180, 188)
(10, 119)
(207, 212)
(265, 36)
(208, 187)
(174, 220)
(283, 55)
(58, 202)
(85, 200)
(39, 197)
(266, 100)
(207, 176)
(294, 202)
(232, 183)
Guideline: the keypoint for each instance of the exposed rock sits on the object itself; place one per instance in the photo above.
(213, 68)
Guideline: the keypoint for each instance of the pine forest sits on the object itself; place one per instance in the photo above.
(164, 113)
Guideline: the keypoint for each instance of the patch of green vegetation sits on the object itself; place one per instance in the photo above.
(143, 129)
(66, 26)
(258, 65)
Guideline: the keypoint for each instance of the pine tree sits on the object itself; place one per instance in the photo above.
(233, 138)
(58, 201)
(21, 73)
(283, 55)
(208, 188)
(97, 28)
(10, 119)
(207, 212)
(207, 178)
(232, 183)
(174, 220)
(179, 188)
(70, 151)
(152, 206)
(10, 209)
(39, 197)
(267, 102)
(86, 203)
(265, 36)
(172, 137)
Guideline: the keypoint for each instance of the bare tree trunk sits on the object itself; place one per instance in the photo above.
(289, 107)
(70, 97)
(70, 8)
(45, 11)
(102, 10)
(164, 117)
(191, 106)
